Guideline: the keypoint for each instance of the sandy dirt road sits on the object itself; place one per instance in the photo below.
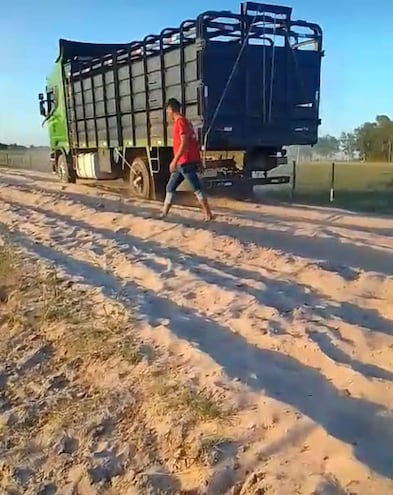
(285, 311)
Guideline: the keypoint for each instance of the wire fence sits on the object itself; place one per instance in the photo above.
(358, 186)
(28, 160)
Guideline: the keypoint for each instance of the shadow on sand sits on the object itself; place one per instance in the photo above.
(366, 426)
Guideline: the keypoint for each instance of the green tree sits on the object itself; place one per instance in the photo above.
(327, 145)
(348, 143)
(385, 129)
(374, 140)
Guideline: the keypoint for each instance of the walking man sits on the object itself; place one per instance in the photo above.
(186, 160)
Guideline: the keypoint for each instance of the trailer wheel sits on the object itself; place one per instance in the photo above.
(245, 192)
(138, 178)
(64, 170)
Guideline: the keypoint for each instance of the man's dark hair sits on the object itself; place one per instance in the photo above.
(174, 105)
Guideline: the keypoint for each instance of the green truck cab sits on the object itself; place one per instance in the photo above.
(53, 109)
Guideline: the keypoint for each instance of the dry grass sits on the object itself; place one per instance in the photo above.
(198, 404)
(130, 351)
(8, 271)
(79, 367)
(6, 261)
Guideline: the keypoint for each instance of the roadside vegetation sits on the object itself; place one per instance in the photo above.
(85, 405)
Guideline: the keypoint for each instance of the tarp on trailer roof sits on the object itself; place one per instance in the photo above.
(69, 50)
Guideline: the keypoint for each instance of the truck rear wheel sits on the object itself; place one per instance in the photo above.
(245, 192)
(64, 170)
(138, 178)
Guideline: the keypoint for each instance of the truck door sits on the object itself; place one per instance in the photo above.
(305, 65)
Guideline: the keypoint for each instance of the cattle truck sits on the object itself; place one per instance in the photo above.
(249, 82)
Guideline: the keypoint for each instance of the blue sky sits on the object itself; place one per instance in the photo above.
(357, 70)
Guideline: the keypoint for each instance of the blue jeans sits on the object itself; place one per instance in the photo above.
(188, 172)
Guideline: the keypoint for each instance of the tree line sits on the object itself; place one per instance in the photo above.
(372, 141)
(19, 147)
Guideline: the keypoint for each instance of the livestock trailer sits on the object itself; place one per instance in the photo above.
(249, 82)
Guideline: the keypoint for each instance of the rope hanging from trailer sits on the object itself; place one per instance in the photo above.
(264, 68)
(268, 111)
(272, 70)
(123, 158)
(226, 88)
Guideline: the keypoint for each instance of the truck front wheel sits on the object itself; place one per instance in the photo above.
(65, 171)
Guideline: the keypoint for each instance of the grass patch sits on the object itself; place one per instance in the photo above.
(87, 340)
(363, 187)
(207, 444)
(199, 404)
(9, 270)
(7, 260)
(202, 404)
(130, 352)
(57, 305)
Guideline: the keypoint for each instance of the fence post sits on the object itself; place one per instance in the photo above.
(332, 182)
(293, 190)
(30, 160)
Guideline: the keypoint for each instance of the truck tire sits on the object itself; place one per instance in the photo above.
(245, 192)
(138, 178)
(64, 170)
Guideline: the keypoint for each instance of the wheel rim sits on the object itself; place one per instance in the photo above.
(137, 179)
(61, 168)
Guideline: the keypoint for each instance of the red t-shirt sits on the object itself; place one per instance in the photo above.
(192, 154)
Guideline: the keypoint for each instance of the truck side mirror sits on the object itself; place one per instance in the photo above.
(42, 105)
(42, 108)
